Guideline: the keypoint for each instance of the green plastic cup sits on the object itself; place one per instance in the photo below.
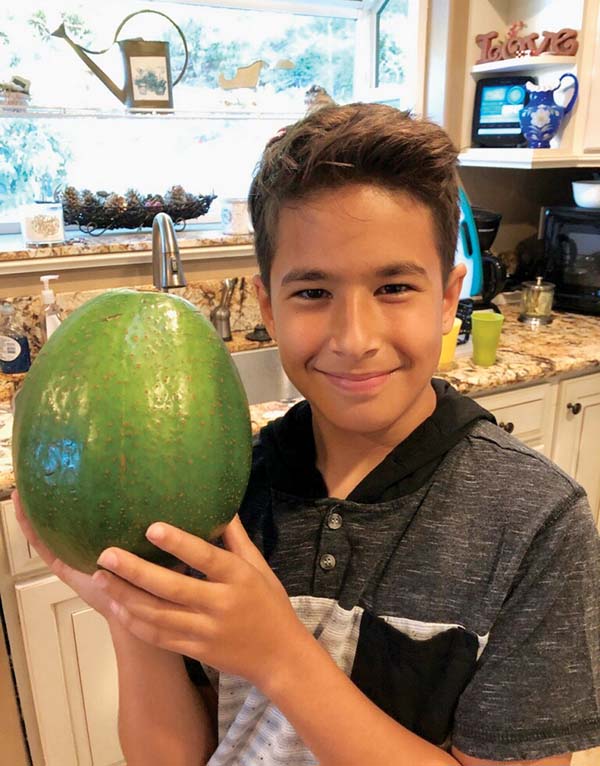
(485, 331)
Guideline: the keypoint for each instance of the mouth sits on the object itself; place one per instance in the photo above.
(367, 382)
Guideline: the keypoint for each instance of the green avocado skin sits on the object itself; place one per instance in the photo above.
(132, 412)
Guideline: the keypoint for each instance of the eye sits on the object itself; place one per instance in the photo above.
(311, 294)
(394, 289)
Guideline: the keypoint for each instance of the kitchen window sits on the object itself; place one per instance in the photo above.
(74, 131)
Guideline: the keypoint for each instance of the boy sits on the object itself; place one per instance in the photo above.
(408, 584)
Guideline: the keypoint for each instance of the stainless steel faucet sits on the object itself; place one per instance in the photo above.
(221, 314)
(166, 261)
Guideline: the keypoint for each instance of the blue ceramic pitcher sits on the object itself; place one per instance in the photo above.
(541, 118)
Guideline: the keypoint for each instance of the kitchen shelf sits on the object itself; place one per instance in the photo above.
(529, 64)
(526, 158)
(42, 112)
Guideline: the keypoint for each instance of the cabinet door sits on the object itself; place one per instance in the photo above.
(577, 434)
(73, 675)
(527, 413)
(21, 556)
(591, 137)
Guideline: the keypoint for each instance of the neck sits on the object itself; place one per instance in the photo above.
(344, 458)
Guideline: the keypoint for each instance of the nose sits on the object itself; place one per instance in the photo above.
(356, 326)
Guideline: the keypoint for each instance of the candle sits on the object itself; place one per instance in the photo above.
(43, 224)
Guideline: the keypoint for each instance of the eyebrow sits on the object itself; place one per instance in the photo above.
(396, 269)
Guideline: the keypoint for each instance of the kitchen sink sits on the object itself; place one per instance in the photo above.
(263, 376)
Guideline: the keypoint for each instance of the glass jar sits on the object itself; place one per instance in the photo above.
(42, 223)
(536, 302)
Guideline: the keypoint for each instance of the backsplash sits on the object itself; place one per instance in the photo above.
(206, 294)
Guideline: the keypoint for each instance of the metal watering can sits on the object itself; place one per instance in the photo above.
(146, 63)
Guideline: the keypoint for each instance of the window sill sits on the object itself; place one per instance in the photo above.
(80, 250)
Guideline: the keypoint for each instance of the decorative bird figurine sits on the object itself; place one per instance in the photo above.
(316, 97)
(245, 77)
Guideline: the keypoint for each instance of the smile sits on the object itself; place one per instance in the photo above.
(364, 383)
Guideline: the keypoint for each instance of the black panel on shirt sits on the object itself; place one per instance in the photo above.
(416, 682)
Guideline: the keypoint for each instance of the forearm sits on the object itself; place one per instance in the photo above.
(162, 717)
(336, 721)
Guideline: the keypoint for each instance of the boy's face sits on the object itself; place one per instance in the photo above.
(358, 307)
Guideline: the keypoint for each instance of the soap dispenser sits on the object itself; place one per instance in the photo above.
(50, 317)
(14, 346)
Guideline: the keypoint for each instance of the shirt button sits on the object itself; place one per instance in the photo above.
(334, 521)
(327, 561)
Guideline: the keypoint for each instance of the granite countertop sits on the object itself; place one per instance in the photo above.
(568, 346)
(12, 248)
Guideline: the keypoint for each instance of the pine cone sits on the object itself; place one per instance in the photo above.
(88, 198)
(70, 197)
(176, 196)
(133, 198)
(115, 202)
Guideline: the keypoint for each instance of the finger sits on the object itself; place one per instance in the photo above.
(164, 583)
(177, 644)
(162, 615)
(217, 564)
(237, 541)
(157, 635)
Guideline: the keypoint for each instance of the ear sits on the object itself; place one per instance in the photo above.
(264, 302)
(451, 295)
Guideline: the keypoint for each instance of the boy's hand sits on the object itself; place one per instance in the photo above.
(83, 584)
(239, 620)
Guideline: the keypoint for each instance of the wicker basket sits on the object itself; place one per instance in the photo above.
(96, 217)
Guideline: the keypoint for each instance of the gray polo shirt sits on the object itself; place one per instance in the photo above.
(458, 586)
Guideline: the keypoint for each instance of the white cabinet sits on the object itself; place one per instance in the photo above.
(576, 439)
(63, 659)
(527, 413)
(591, 136)
(560, 420)
(73, 675)
(578, 142)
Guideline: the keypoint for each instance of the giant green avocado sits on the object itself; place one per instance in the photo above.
(132, 412)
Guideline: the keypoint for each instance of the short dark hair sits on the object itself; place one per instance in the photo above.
(363, 144)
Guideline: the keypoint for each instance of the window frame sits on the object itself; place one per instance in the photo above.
(365, 79)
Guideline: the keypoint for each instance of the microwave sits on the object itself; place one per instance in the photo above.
(571, 256)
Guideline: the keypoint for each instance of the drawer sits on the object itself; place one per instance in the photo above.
(22, 559)
(527, 413)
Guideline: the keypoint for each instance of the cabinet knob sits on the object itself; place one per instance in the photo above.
(575, 408)
(508, 427)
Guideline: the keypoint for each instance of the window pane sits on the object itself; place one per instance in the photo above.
(292, 52)
(397, 36)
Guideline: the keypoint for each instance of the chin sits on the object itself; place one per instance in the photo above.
(359, 419)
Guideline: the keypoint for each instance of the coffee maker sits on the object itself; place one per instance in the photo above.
(487, 223)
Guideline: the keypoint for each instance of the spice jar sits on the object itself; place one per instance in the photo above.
(43, 224)
(536, 302)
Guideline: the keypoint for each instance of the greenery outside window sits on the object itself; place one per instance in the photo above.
(74, 130)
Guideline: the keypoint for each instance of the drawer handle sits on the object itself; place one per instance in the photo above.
(508, 427)
(575, 408)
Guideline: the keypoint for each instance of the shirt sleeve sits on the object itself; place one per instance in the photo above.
(196, 672)
(536, 690)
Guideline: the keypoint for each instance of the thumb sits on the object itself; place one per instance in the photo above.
(237, 541)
